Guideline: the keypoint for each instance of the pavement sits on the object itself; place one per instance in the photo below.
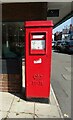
(16, 106)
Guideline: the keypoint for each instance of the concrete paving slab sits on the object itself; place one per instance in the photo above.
(20, 115)
(45, 116)
(19, 108)
(0, 101)
(22, 106)
(52, 101)
(46, 110)
(3, 115)
(5, 101)
(18, 99)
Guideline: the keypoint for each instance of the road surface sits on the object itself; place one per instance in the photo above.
(61, 81)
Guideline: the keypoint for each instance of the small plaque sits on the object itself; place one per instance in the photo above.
(38, 44)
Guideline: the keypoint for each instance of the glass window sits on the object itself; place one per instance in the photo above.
(12, 39)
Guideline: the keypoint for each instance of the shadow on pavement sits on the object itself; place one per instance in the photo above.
(23, 97)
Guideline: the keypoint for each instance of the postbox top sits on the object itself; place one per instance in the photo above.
(46, 23)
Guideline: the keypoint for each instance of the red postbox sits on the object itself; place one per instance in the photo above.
(38, 48)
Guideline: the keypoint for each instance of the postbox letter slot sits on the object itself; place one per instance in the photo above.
(38, 43)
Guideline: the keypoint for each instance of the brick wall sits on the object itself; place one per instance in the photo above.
(10, 83)
(11, 78)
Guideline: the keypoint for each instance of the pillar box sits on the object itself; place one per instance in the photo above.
(38, 49)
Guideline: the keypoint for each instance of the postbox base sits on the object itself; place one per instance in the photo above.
(41, 100)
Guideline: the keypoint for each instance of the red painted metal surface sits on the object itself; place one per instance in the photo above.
(38, 37)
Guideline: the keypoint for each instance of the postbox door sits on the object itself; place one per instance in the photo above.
(38, 63)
